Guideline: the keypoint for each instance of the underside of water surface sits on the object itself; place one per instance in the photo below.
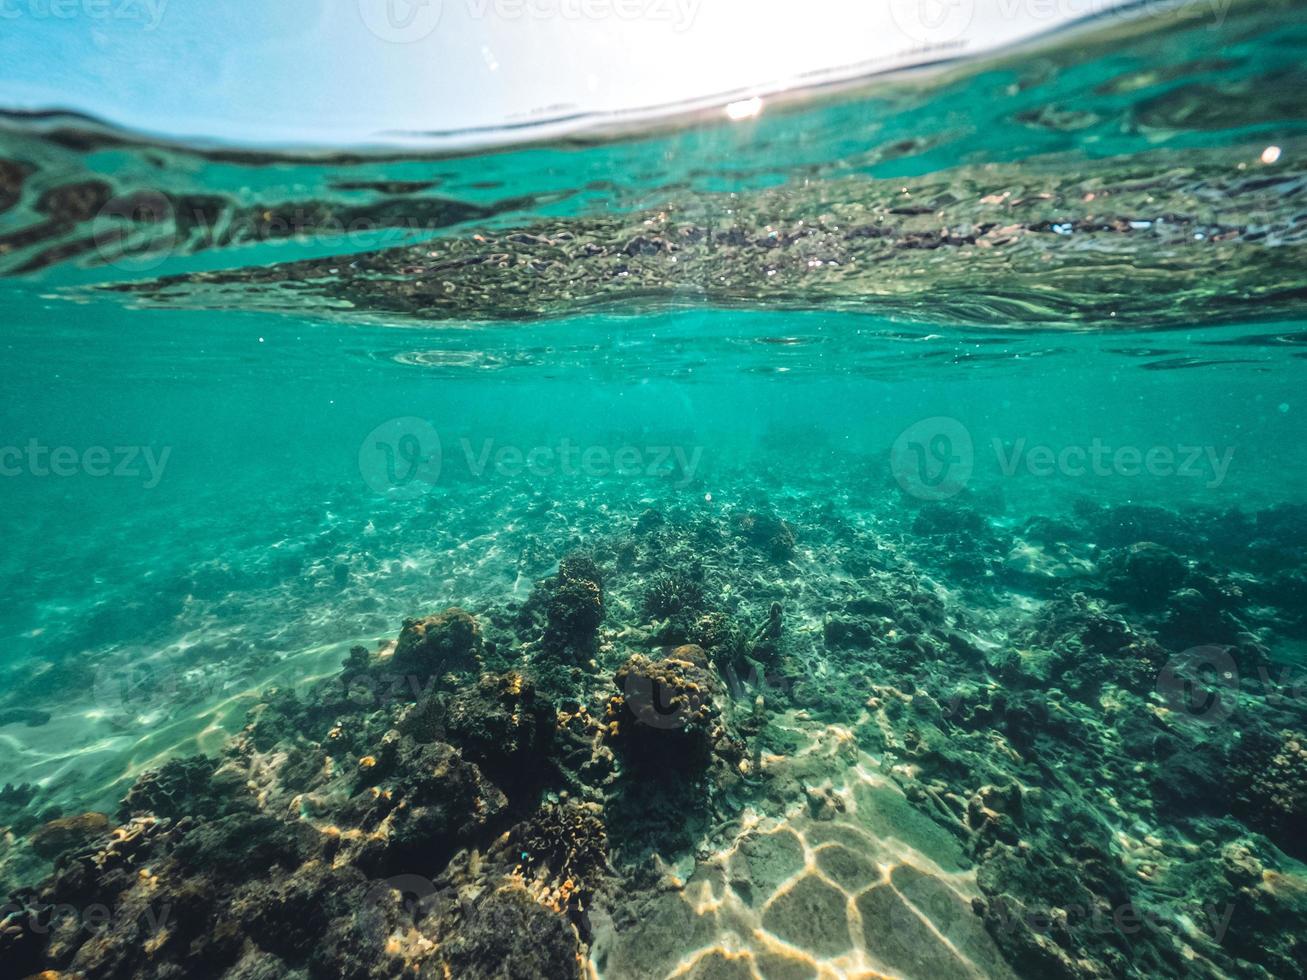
(866, 539)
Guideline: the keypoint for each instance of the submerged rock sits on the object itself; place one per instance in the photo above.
(510, 936)
(1046, 563)
(505, 726)
(715, 631)
(853, 633)
(769, 534)
(1274, 797)
(575, 609)
(447, 642)
(492, 824)
(57, 836)
(1144, 574)
(564, 611)
(419, 803)
(668, 713)
(176, 789)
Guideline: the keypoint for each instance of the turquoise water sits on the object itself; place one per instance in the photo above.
(965, 372)
(243, 527)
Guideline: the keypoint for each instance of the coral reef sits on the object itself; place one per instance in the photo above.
(618, 756)
(673, 594)
(444, 643)
(575, 610)
(564, 611)
(668, 714)
(782, 715)
(176, 788)
(502, 724)
(769, 534)
(416, 803)
(57, 836)
(1273, 767)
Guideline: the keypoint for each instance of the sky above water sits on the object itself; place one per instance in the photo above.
(366, 71)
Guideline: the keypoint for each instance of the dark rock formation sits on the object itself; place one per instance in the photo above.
(448, 642)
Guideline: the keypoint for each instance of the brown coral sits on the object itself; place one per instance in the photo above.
(667, 708)
(435, 645)
(53, 838)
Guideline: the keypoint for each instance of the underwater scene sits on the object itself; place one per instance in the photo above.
(859, 535)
